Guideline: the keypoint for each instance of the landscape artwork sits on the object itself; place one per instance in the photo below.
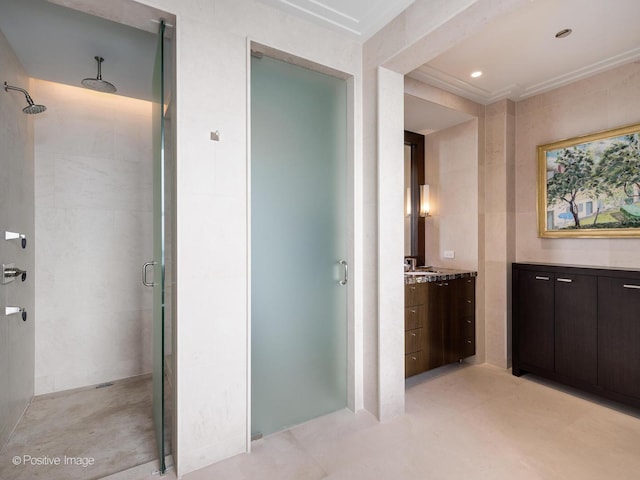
(590, 186)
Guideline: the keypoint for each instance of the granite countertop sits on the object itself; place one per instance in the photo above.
(436, 274)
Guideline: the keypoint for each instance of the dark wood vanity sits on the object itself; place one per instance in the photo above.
(579, 326)
(439, 321)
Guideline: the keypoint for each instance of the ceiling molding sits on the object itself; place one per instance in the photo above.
(357, 18)
(584, 72)
(516, 92)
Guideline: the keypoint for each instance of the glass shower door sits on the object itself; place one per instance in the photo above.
(158, 246)
(298, 245)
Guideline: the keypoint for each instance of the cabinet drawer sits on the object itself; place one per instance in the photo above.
(413, 294)
(414, 317)
(413, 340)
(468, 347)
(413, 363)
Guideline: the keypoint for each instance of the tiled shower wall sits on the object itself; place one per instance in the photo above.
(93, 201)
(16, 215)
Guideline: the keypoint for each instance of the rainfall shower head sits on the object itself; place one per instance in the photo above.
(32, 107)
(97, 83)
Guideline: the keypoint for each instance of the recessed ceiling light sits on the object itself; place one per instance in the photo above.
(565, 32)
(476, 74)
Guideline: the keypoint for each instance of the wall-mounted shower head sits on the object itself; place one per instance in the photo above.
(32, 107)
(97, 83)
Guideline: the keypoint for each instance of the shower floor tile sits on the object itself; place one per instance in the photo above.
(83, 434)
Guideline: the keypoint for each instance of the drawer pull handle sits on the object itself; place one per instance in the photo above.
(469, 322)
(412, 311)
(565, 280)
(413, 358)
(468, 301)
(413, 334)
(469, 342)
(541, 278)
(636, 287)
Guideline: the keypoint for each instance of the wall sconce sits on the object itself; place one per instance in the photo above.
(425, 206)
(407, 202)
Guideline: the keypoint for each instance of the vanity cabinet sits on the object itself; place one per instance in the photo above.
(439, 323)
(579, 326)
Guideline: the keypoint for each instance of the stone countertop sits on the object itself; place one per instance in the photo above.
(438, 276)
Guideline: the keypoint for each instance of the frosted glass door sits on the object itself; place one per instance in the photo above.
(298, 238)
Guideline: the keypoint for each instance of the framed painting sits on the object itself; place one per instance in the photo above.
(589, 187)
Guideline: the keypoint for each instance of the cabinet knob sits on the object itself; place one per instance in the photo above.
(413, 334)
(414, 358)
(469, 342)
(412, 311)
(468, 301)
(469, 322)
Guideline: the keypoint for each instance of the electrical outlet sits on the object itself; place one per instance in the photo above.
(449, 254)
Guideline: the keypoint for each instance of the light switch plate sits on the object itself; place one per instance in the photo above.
(449, 254)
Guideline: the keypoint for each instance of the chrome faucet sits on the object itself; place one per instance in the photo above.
(410, 264)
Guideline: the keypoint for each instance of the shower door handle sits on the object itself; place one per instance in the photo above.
(346, 272)
(145, 267)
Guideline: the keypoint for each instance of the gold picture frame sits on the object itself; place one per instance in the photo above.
(589, 186)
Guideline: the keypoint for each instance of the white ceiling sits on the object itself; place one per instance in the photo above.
(58, 44)
(521, 57)
(359, 18)
(518, 53)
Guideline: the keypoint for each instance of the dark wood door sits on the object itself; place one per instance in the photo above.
(438, 302)
(576, 327)
(460, 329)
(535, 311)
(619, 335)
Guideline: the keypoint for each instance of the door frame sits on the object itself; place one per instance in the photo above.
(354, 225)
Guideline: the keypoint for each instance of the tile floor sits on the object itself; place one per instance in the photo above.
(468, 422)
(112, 425)
(462, 422)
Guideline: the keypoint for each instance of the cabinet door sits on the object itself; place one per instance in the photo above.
(535, 298)
(460, 328)
(576, 327)
(438, 301)
(619, 335)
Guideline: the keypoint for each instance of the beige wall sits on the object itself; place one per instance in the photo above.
(498, 236)
(93, 201)
(16, 215)
(604, 101)
(452, 175)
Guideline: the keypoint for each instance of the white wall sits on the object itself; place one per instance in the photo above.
(452, 174)
(93, 201)
(16, 215)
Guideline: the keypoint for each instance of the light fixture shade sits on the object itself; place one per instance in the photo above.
(425, 206)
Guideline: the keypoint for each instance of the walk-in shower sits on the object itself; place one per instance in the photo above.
(32, 107)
